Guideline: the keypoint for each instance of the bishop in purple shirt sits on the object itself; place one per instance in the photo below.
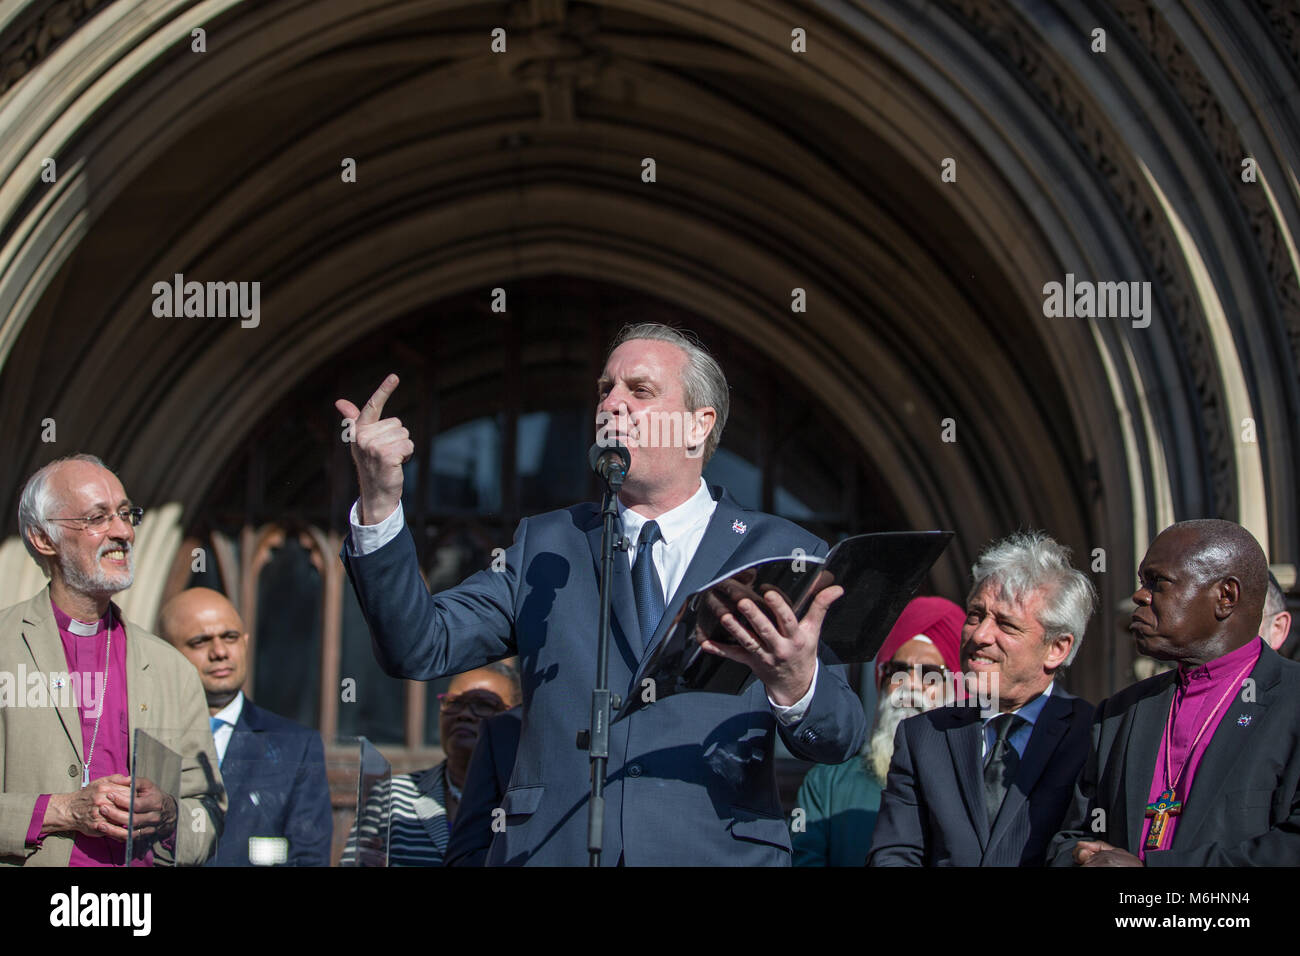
(1194, 767)
(88, 680)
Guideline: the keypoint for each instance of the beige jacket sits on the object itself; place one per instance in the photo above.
(40, 745)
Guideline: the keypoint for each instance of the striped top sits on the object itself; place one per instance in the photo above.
(419, 828)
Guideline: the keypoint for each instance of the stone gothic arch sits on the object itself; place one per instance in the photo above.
(775, 170)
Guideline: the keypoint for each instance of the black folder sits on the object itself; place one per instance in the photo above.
(879, 573)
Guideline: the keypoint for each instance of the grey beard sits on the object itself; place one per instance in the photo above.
(880, 745)
(97, 583)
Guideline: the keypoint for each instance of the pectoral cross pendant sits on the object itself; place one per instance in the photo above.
(1165, 806)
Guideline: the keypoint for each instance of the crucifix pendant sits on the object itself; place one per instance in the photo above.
(1164, 807)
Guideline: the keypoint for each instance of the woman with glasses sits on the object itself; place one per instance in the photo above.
(424, 803)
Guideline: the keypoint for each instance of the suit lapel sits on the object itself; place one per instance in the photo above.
(1048, 732)
(250, 718)
(964, 744)
(41, 635)
(243, 752)
(1146, 727)
(716, 548)
(141, 710)
(625, 631)
(1228, 746)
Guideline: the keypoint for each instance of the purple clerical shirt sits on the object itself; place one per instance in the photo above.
(86, 659)
(1197, 691)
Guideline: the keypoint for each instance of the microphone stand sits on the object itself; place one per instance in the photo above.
(596, 740)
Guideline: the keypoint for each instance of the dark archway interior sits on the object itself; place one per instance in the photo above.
(249, 189)
(524, 172)
(463, 365)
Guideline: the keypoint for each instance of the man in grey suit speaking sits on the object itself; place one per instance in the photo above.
(691, 778)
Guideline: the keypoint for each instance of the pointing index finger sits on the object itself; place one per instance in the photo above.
(374, 406)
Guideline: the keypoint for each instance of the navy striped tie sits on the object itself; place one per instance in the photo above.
(645, 583)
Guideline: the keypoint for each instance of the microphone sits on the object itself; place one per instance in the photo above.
(611, 463)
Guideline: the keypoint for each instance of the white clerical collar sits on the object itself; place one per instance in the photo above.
(695, 509)
(82, 629)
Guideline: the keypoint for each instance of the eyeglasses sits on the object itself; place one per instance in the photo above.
(892, 669)
(478, 706)
(99, 523)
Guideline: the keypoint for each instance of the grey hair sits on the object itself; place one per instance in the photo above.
(704, 384)
(509, 669)
(1024, 562)
(34, 506)
(1275, 602)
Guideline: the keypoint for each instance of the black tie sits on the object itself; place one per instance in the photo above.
(1000, 766)
(648, 591)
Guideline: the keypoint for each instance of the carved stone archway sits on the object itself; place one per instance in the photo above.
(776, 170)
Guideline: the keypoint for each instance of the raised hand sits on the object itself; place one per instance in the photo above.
(379, 447)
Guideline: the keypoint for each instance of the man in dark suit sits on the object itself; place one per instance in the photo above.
(985, 782)
(273, 768)
(1196, 766)
(486, 782)
(691, 778)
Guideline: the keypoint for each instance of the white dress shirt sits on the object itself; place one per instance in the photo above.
(681, 531)
(230, 714)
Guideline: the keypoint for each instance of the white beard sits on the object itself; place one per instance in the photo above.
(97, 582)
(880, 745)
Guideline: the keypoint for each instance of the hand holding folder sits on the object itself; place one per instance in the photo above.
(879, 573)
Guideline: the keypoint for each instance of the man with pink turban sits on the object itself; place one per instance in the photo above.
(914, 671)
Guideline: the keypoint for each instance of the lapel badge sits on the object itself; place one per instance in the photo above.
(59, 682)
(144, 707)
(1243, 720)
(739, 526)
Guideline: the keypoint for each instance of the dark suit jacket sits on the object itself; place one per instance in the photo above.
(486, 781)
(691, 778)
(1244, 805)
(933, 813)
(274, 772)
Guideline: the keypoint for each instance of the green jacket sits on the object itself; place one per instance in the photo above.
(840, 803)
